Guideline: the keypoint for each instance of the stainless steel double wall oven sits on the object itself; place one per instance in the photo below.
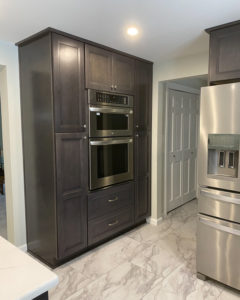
(110, 138)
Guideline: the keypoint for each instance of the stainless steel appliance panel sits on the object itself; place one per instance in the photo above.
(107, 98)
(220, 111)
(220, 204)
(110, 121)
(111, 161)
(218, 250)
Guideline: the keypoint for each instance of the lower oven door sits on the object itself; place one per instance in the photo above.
(218, 248)
(111, 161)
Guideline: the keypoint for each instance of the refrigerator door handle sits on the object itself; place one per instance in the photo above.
(221, 196)
(218, 226)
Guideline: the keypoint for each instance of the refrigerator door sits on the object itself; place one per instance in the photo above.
(220, 204)
(218, 150)
(218, 244)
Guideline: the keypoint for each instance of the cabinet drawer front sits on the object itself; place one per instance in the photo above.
(101, 203)
(218, 244)
(103, 228)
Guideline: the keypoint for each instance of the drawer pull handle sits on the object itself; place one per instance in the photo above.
(112, 224)
(113, 200)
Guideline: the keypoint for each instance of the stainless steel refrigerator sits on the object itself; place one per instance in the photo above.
(218, 228)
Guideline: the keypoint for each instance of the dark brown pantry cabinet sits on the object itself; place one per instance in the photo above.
(63, 217)
(224, 53)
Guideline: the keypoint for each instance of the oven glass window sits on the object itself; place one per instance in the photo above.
(112, 160)
(112, 121)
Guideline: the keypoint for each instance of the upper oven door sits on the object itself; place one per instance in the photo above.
(111, 161)
(110, 121)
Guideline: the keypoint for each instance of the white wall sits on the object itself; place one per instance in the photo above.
(168, 70)
(12, 142)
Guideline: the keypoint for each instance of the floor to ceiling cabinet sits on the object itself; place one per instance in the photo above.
(63, 216)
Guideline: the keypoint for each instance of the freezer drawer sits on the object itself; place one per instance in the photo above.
(218, 248)
(220, 204)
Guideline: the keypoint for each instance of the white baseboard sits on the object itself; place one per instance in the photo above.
(153, 221)
(23, 248)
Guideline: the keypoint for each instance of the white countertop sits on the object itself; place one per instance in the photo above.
(21, 276)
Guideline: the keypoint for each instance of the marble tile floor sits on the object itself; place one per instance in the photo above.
(3, 217)
(150, 262)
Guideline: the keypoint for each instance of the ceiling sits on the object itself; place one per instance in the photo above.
(168, 28)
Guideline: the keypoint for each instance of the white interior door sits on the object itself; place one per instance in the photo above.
(182, 134)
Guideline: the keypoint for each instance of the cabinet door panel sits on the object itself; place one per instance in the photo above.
(224, 60)
(98, 68)
(123, 74)
(143, 99)
(142, 176)
(69, 96)
(72, 178)
(142, 124)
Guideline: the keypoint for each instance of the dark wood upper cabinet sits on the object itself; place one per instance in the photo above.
(143, 98)
(109, 71)
(224, 53)
(123, 74)
(68, 74)
(72, 189)
(98, 68)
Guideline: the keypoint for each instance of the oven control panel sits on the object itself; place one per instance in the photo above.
(113, 99)
(104, 98)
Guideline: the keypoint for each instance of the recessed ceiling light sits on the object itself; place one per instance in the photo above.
(132, 31)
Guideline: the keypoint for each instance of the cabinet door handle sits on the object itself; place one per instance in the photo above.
(137, 135)
(137, 126)
(112, 86)
(85, 137)
(113, 200)
(115, 87)
(84, 126)
(112, 224)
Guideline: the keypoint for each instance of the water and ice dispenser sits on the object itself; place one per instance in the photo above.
(223, 154)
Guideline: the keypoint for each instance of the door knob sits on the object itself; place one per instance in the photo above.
(84, 126)
(137, 126)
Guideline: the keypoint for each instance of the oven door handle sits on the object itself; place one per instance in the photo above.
(111, 142)
(220, 196)
(111, 110)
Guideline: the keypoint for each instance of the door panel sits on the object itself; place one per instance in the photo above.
(69, 96)
(142, 100)
(142, 175)
(142, 129)
(72, 178)
(98, 68)
(123, 74)
(182, 144)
